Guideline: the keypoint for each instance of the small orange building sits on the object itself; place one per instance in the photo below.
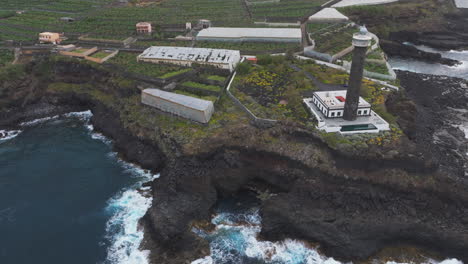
(144, 28)
(49, 37)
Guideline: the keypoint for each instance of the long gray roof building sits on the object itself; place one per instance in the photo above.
(251, 34)
(185, 106)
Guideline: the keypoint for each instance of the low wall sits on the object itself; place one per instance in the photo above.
(256, 121)
(318, 55)
(102, 60)
(78, 54)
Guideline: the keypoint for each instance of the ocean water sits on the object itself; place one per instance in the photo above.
(66, 198)
(460, 71)
(235, 241)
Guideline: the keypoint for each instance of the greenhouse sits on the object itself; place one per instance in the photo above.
(185, 106)
(250, 34)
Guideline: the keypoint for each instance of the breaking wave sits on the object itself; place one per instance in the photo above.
(234, 240)
(8, 134)
(123, 237)
(127, 208)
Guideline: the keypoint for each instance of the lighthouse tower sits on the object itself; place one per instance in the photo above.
(361, 41)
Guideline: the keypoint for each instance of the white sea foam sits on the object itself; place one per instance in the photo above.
(39, 121)
(231, 243)
(127, 208)
(8, 134)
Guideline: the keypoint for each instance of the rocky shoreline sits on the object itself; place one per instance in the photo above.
(352, 205)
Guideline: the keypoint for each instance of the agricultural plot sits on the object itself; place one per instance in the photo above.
(6, 57)
(128, 61)
(285, 10)
(120, 21)
(334, 41)
(249, 47)
(272, 89)
(54, 5)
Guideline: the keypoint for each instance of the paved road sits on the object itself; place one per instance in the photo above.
(320, 85)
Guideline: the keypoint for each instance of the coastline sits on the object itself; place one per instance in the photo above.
(331, 192)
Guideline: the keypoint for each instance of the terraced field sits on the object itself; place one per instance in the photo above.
(285, 10)
(120, 21)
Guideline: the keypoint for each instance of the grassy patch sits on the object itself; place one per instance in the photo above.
(376, 67)
(249, 47)
(208, 98)
(174, 73)
(216, 78)
(128, 61)
(6, 57)
(335, 40)
(213, 88)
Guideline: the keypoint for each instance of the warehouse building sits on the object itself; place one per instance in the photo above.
(293, 35)
(185, 106)
(186, 56)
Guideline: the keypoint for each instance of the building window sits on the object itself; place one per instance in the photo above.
(365, 112)
(333, 114)
(359, 112)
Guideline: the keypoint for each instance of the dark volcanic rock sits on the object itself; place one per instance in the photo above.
(392, 48)
(433, 117)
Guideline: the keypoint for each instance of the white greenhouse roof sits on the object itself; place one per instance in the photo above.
(332, 99)
(328, 14)
(191, 54)
(362, 2)
(461, 3)
(187, 101)
(232, 32)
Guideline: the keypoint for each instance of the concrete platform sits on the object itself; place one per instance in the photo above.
(340, 125)
(363, 2)
(461, 3)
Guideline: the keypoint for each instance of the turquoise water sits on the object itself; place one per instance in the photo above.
(64, 197)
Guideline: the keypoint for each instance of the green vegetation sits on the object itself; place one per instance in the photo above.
(249, 47)
(202, 86)
(401, 16)
(100, 54)
(216, 78)
(334, 41)
(6, 13)
(6, 57)
(285, 10)
(376, 67)
(129, 62)
(273, 90)
(209, 98)
(319, 27)
(174, 73)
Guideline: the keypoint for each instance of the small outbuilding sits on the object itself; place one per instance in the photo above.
(67, 19)
(49, 37)
(185, 106)
(144, 28)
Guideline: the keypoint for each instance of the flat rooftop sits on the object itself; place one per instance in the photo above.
(232, 32)
(328, 14)
(191, 54)
(337, 99)
(180, 99)
(362, 2)
(461, 3)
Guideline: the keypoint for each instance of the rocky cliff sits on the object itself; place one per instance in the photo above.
(352, 201)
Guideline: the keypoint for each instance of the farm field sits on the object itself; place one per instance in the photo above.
(6, 57)
(284, 10)
(120, 21)
(334, 41)
(249, 47)
(128, 61)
